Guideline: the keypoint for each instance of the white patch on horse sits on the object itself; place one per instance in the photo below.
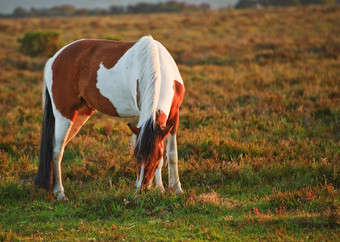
(118, 84)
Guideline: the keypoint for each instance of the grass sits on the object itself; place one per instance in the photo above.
(258, 141)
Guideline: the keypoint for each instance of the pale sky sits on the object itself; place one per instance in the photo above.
(7, 6)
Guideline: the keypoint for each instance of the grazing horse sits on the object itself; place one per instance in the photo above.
(121, 79)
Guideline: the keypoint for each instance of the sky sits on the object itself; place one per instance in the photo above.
(7, 6)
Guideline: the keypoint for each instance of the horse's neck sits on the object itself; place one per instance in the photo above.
(149, 82)
(158, 72)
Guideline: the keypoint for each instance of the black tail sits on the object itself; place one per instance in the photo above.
(44, 178)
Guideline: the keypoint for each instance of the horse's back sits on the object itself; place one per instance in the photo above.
(74, 73)
(105, 75)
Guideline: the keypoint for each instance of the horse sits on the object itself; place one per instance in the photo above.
(120, 79)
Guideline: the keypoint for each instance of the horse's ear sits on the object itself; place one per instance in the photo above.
(134, 129)
(166, 131)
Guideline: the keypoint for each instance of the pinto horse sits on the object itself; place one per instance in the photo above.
(121, 79)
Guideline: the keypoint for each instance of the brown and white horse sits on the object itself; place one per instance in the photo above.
(121, 79)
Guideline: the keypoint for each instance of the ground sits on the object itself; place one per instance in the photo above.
(258, 140)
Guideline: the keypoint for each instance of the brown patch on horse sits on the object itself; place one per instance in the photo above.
(161, 119)
(75, 75)
(177, 100)
(152, 164)
(75, 114)
(79, 119)
(150, 172)
(83, 110)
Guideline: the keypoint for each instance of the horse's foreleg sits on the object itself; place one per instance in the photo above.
(140, 171)
(133, 141)
(62, 128)
(172, 156)
(158, 176)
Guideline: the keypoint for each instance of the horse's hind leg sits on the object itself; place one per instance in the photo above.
(65, 130)
(80, 118)
(61, 131)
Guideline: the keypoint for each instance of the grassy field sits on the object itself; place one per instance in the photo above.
(258, 143)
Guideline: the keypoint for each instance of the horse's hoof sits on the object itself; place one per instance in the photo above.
(179, 191)
(176, 189)
(138, 191)
(160, 189)
(61, 196)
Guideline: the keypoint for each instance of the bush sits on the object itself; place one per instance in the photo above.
(40, 43)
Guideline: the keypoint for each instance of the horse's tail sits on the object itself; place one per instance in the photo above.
(44, 178)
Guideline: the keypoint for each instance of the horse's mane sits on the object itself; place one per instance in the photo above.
(146, 141)
(149, 81)
(149, 88)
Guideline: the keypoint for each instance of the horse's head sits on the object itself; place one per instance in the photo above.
(148, 151)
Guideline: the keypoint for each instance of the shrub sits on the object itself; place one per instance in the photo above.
(40, 43)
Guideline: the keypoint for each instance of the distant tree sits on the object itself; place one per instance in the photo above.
(116, 10)
(34, 12)
(69, 10)
(170, 6)
(98, 12)
(279, 2)
(141, 8)
(205, 6)
(82, 12)
(40, 43)
(63, 10)
(20, 12)
(247, 4)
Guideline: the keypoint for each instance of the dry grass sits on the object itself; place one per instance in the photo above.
(258, 140)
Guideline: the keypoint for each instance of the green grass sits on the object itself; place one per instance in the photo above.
(258, 142)
(244, 212)
(119, 213)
